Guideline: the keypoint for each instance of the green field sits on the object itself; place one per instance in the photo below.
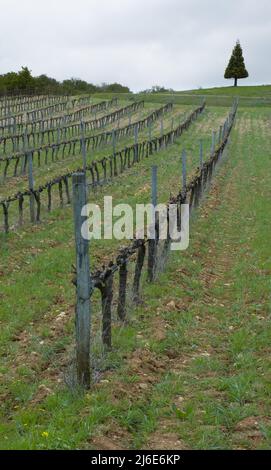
(263, 91)
(248, 96)
(191, 369)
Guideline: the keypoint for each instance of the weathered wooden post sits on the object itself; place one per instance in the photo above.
(123, 273)
(25, 146)
(199, 190)
(114, 141)
(152, 240)
(83, 283)
(136, 142)
(227, 123)
(138, 269)
(31, 187)
(83, 146)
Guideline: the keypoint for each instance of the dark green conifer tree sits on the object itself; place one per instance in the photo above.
(236, 67)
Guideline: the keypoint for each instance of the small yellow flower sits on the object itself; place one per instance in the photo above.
(45, 434)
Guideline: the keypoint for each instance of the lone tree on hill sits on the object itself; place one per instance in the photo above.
(236, 66)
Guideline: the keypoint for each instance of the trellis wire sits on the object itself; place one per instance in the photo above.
(102, 279)
(109, 167)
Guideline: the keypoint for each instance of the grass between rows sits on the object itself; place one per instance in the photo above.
(43, 254)
(69, 163)
(195, 367)
(211, 119)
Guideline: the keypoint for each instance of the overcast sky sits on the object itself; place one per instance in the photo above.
(180, 44)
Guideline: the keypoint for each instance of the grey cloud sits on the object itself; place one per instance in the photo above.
(177, 43)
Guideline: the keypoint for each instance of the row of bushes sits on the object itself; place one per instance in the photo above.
(22, 82)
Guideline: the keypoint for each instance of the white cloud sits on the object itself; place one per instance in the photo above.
(175, 43)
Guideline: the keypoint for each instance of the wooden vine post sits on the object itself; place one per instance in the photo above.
(200, 182)
(136, 142)
(83, 145)
(83, 283)
(25, 146)
(31, 187)
(114, 141)
(153, 241)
